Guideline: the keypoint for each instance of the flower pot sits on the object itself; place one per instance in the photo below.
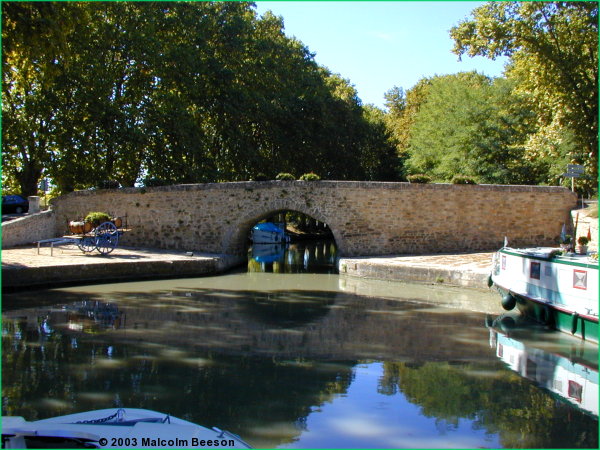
(582, 249)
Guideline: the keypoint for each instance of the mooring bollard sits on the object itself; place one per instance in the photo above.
(34, 204)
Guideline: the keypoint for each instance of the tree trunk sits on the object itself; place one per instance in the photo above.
(29, 178)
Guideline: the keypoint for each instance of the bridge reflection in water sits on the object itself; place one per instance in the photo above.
(311, 256)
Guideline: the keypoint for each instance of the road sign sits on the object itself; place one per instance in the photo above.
(575, 169)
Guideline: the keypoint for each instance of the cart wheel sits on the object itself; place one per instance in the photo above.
(87, 244)
(107, 237)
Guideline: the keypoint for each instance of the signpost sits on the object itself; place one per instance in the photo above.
(44, 188)
(574, 171)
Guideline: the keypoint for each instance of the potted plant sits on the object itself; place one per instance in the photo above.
(565, 242)
(96, 218)
(582, 247)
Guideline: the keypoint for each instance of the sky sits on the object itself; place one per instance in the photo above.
(381, 44)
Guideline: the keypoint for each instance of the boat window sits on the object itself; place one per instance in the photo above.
(575, 390)
(535, 270)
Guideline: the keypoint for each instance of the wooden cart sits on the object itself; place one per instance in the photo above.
(104, 238)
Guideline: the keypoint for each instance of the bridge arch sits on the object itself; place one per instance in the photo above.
(235, 236)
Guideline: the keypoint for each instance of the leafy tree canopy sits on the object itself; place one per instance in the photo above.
(553, 48)
(175, 92)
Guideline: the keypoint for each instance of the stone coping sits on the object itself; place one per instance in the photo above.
(470, 270)
(249, 185)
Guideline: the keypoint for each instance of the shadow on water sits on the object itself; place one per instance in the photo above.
(281, 366)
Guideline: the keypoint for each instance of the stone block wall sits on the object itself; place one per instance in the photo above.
(28, 229)
(366, 218)
(586, 222)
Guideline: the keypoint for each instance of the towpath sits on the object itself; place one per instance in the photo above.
(24, 267)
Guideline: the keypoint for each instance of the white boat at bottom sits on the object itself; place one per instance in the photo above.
(114, 428)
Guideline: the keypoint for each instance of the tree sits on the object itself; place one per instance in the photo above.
(33, 35)
(379, 159)
(553, 48)
(402, 108)
(174, 92)
(471, 125)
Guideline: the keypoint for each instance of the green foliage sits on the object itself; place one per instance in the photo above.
(553, 48)
(567, 239)
(153, 182)
(109, 184)
(378, 157)
(463, 179)
(183, 92)
(470, 124)
(285, 176)
(96, 218)
(419, 178)
(310, 177)
(402, 110)
(260, 177)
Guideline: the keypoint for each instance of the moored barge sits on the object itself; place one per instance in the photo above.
(555, 288)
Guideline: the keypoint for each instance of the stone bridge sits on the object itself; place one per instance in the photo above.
(366, 218)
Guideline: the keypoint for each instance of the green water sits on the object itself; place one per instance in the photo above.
(298, 360)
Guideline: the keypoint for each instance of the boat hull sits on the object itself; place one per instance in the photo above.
(560, 292)
(112, 428)
(582, 326)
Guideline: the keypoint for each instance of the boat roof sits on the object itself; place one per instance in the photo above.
(268, 226)
(552, 254)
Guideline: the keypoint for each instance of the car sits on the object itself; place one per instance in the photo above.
(14, 204)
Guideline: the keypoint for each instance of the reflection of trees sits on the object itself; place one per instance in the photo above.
(231, 391)
(247, 358)
(449, 393)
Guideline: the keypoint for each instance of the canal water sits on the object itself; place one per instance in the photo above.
(288, 354)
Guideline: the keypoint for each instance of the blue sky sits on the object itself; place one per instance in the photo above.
(381, 44)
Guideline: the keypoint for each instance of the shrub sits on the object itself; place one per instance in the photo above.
(419, 178)
(153, 182)
(260, 177)
(583, 240)
(566, 239)
(109, 184)
(96, 218)
(311, 176)
(463, 179)
(284, 176)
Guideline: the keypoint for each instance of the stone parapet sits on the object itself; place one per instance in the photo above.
(366, 218)
(28, 229)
